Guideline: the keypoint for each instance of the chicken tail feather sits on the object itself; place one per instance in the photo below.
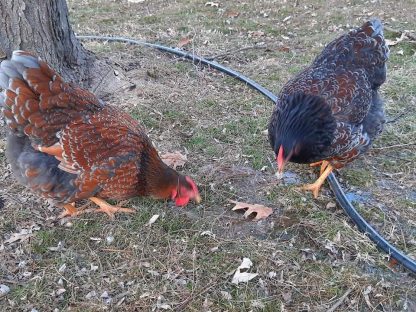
(36, 101)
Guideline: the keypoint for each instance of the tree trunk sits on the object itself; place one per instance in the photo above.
(42, 27)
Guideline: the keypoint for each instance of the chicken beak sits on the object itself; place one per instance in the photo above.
(198, 199)
(280, 160)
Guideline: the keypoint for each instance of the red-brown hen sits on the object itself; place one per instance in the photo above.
(66, 144)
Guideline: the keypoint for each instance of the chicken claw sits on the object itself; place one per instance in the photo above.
(110, 210)
(71, 211)
(316, 186)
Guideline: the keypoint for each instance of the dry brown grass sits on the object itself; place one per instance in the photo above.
(308, 254)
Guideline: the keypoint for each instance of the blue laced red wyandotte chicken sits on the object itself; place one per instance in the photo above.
(330, 113)
(67, 145)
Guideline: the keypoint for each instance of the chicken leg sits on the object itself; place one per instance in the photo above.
(315, 187)
(71, 211)
(322, 163)
(110, 210)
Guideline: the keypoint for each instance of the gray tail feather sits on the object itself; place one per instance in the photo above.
(377, 27)
(50, 181)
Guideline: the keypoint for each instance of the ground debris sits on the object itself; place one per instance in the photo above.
(241, 275)
(262, 212)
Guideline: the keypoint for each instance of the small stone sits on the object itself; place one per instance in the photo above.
(226, 295)
(4, 289)
(109, 239)
(331, 205)
(91, 294)
(27, 274)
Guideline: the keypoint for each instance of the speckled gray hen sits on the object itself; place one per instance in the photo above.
(330, 112)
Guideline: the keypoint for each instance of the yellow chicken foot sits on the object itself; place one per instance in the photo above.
(110, 210)
(322, 163)
(316, 164)
(315, 187)
(71, 211)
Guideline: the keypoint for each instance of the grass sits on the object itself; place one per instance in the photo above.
(307, 254)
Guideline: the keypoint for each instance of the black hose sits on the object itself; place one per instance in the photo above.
(343, 201)
(366, 228)
(192, 57)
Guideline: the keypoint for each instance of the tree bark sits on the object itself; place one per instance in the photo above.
(42, 27)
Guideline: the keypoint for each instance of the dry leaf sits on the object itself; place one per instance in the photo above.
(91, 294)
(59, 247)
(398, 40)
(207, 233)
(23, 235)
(174, 159)
(287, 18)
(331, 205)
(240, 275)
(212, 4)
(183, 42)
(152, 220)
(161, 303)
(232, 14)
(60, 291)
(262, 212)
(282, 49)
(257, 33)
(287, 296)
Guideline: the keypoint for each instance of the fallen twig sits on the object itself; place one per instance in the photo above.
(393, 146)
(184, 303)
(116, 250)
(396, 118)
(236, 51)
(152, 109)
(410, 35)
(340, 301)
